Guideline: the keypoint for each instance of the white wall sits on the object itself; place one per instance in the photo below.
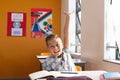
(93, 36)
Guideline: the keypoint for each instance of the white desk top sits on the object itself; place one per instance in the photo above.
(41, 57)
(95, 75)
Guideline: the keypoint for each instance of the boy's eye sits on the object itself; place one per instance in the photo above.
(57, 45)
(54, 46)
(51, 46)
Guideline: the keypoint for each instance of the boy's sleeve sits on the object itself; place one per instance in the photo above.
(71, 63)
(45, 65)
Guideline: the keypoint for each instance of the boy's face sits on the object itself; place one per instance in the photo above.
(55, 46)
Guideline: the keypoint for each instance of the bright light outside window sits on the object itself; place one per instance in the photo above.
(75, 24)
(78, 25)
(112, 30)
(76, 45)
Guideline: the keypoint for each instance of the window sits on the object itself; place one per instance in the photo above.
(76, 43)
(78, 26)
(112, 31)
(75, 24)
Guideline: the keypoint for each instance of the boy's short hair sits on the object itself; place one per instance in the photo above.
(50, 36)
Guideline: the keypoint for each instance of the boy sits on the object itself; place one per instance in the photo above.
(60, 59)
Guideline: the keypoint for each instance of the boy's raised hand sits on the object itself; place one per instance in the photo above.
(68, 13)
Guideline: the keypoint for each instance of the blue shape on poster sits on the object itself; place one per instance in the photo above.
(35, 28)
(49, 27)
(16, 24)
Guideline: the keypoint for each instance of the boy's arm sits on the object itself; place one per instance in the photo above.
(66, 29)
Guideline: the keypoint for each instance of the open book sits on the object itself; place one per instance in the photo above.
(112, 75)
(42, 75)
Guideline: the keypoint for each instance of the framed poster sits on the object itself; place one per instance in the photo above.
(41, 22)
(16, 24)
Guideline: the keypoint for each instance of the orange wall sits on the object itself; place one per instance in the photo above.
(18, 54)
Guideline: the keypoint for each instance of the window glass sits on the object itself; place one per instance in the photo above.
(75, 24)
(112, 30)
(76, 45)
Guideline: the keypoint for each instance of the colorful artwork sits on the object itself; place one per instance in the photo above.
(41, 22)
(16, 25)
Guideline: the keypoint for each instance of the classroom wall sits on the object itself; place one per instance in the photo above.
(93, 36)
(18, 54)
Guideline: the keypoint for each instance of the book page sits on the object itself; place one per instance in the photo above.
(64, 74)
(40, 74)
(55, 74)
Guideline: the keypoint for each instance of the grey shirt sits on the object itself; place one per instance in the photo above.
(62, 63)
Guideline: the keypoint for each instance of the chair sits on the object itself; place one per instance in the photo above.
(78, 68)
(45, 54)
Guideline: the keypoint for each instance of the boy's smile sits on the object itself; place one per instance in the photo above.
(55, 46)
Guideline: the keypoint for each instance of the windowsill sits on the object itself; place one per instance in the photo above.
(75, 55)
(113, 61)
